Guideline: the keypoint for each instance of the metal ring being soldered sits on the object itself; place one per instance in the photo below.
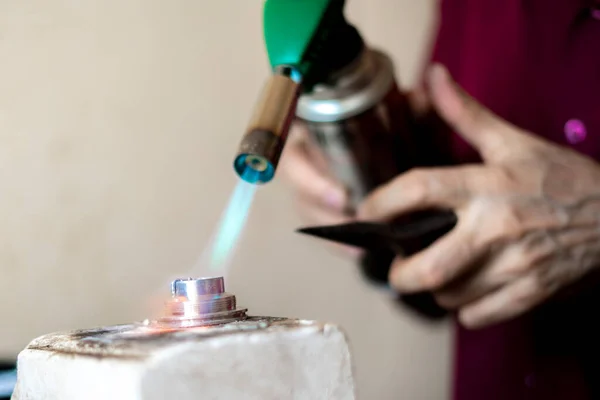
(198, 302)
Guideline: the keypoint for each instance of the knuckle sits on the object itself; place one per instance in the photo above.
(525, 295)
(503, 226)
(514, 262)
(433, 278)
(470, 320)
(416, 182)
(429, 281)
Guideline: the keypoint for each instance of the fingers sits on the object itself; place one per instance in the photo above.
(423, 189)
(300, 168)
(507, 284)
(505, 303)
(480, 127)
(441, 263)
(467, 290)
(499, 267)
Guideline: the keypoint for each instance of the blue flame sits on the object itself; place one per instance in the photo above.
(231, 225)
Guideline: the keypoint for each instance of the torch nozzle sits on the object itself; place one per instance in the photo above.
(261, 146)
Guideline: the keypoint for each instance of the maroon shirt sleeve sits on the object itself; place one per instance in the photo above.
(535, 63)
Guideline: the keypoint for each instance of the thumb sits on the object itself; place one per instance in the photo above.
(484, 130)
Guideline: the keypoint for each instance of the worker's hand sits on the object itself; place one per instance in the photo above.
(320, 199)
(529, 216)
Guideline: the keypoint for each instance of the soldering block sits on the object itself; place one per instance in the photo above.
(260, 358)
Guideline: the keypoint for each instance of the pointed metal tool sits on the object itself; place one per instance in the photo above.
(407, 238)
(383, 241)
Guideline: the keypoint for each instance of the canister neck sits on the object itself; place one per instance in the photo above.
(349, 91)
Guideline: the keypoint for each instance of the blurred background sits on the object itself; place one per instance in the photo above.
(119, 121)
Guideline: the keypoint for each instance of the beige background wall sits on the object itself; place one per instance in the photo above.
(118, 123)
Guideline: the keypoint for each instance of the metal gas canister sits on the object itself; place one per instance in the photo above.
(363, 124)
